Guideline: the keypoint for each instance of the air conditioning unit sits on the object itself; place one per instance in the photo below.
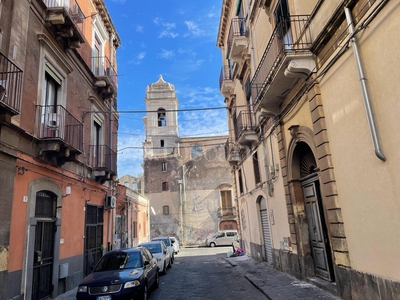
(110, 202)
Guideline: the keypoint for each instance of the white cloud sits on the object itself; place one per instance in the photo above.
(139, 28)
(167, 29)
(211, 14)
(138, 59)
(193, 28)
(167, 54)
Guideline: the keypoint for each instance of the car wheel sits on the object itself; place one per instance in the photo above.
(164, 271)
(212, 245)
(157, 280)
(169, 264)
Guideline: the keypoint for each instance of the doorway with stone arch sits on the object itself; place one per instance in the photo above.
(308, 207)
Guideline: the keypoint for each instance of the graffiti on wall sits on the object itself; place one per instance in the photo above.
(202, 234)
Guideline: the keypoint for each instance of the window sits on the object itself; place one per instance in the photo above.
(226, 203)
(256, 167)
(161, 117)
(134, 186)
(97, 50)
(99, 38)
(164, 166)
(196, 150)
(282, 20)
(134, 229)
(51, 112)
(240, 181)
(165, 210)
(162, 143)
(51, 87)
(96, 144)
(165, 186)
(126, 184)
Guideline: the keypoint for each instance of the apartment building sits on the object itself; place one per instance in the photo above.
(58, 84)
(187, 179)
(311, 89)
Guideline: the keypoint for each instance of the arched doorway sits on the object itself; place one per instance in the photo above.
(266, 233)
(304, 168)
(45, 214)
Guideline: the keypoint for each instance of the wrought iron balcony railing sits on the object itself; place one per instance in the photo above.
(226, 74)
(243, 123)
(103, 157)
(102, 67)
(290, 36)
(226, 212)
(54, 122)
(237, 29)
(73, 11)
(10, 86)
(232, 152)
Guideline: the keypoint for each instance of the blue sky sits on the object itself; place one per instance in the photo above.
(175, 38)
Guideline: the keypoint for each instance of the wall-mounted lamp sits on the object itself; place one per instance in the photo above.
(67, 191)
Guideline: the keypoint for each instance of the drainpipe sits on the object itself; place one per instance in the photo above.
(363, 84)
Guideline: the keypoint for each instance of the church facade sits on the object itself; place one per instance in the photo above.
(187, 180)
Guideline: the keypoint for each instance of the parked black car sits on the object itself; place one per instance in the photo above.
(121, 274)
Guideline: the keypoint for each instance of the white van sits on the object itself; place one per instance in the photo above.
(222, 238)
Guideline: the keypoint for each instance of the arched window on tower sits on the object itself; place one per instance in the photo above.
(161, 117)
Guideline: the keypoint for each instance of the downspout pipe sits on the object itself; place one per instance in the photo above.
(363, 84)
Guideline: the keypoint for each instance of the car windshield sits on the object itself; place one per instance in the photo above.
(119, 261)
(153, 248)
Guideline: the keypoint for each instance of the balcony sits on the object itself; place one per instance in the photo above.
(237, 40)
(103, 161)
(60, 134)
(245, 131)
(287, 58)
(227, 212)
(105, 76)
(10, 89)
(232, 153)
(67, 20)
(226, 84)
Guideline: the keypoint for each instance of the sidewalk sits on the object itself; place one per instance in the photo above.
(68, 295)
(277, 285)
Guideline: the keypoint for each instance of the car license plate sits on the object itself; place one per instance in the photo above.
(103, 298)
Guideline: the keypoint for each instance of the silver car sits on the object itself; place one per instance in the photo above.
(222, 238)
(168, 243)
(160, 252)
(175, 244)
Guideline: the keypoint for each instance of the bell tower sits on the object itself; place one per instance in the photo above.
(161, 121)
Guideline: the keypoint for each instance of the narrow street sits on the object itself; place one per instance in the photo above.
(203, 273)
(200, 273)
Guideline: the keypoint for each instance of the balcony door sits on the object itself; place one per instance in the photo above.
(97, 56)
(96, 144)
(51, 118)
(282, 21)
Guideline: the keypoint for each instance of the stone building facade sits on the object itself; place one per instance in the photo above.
(188, 180)
(310, 87)
(58, 85)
